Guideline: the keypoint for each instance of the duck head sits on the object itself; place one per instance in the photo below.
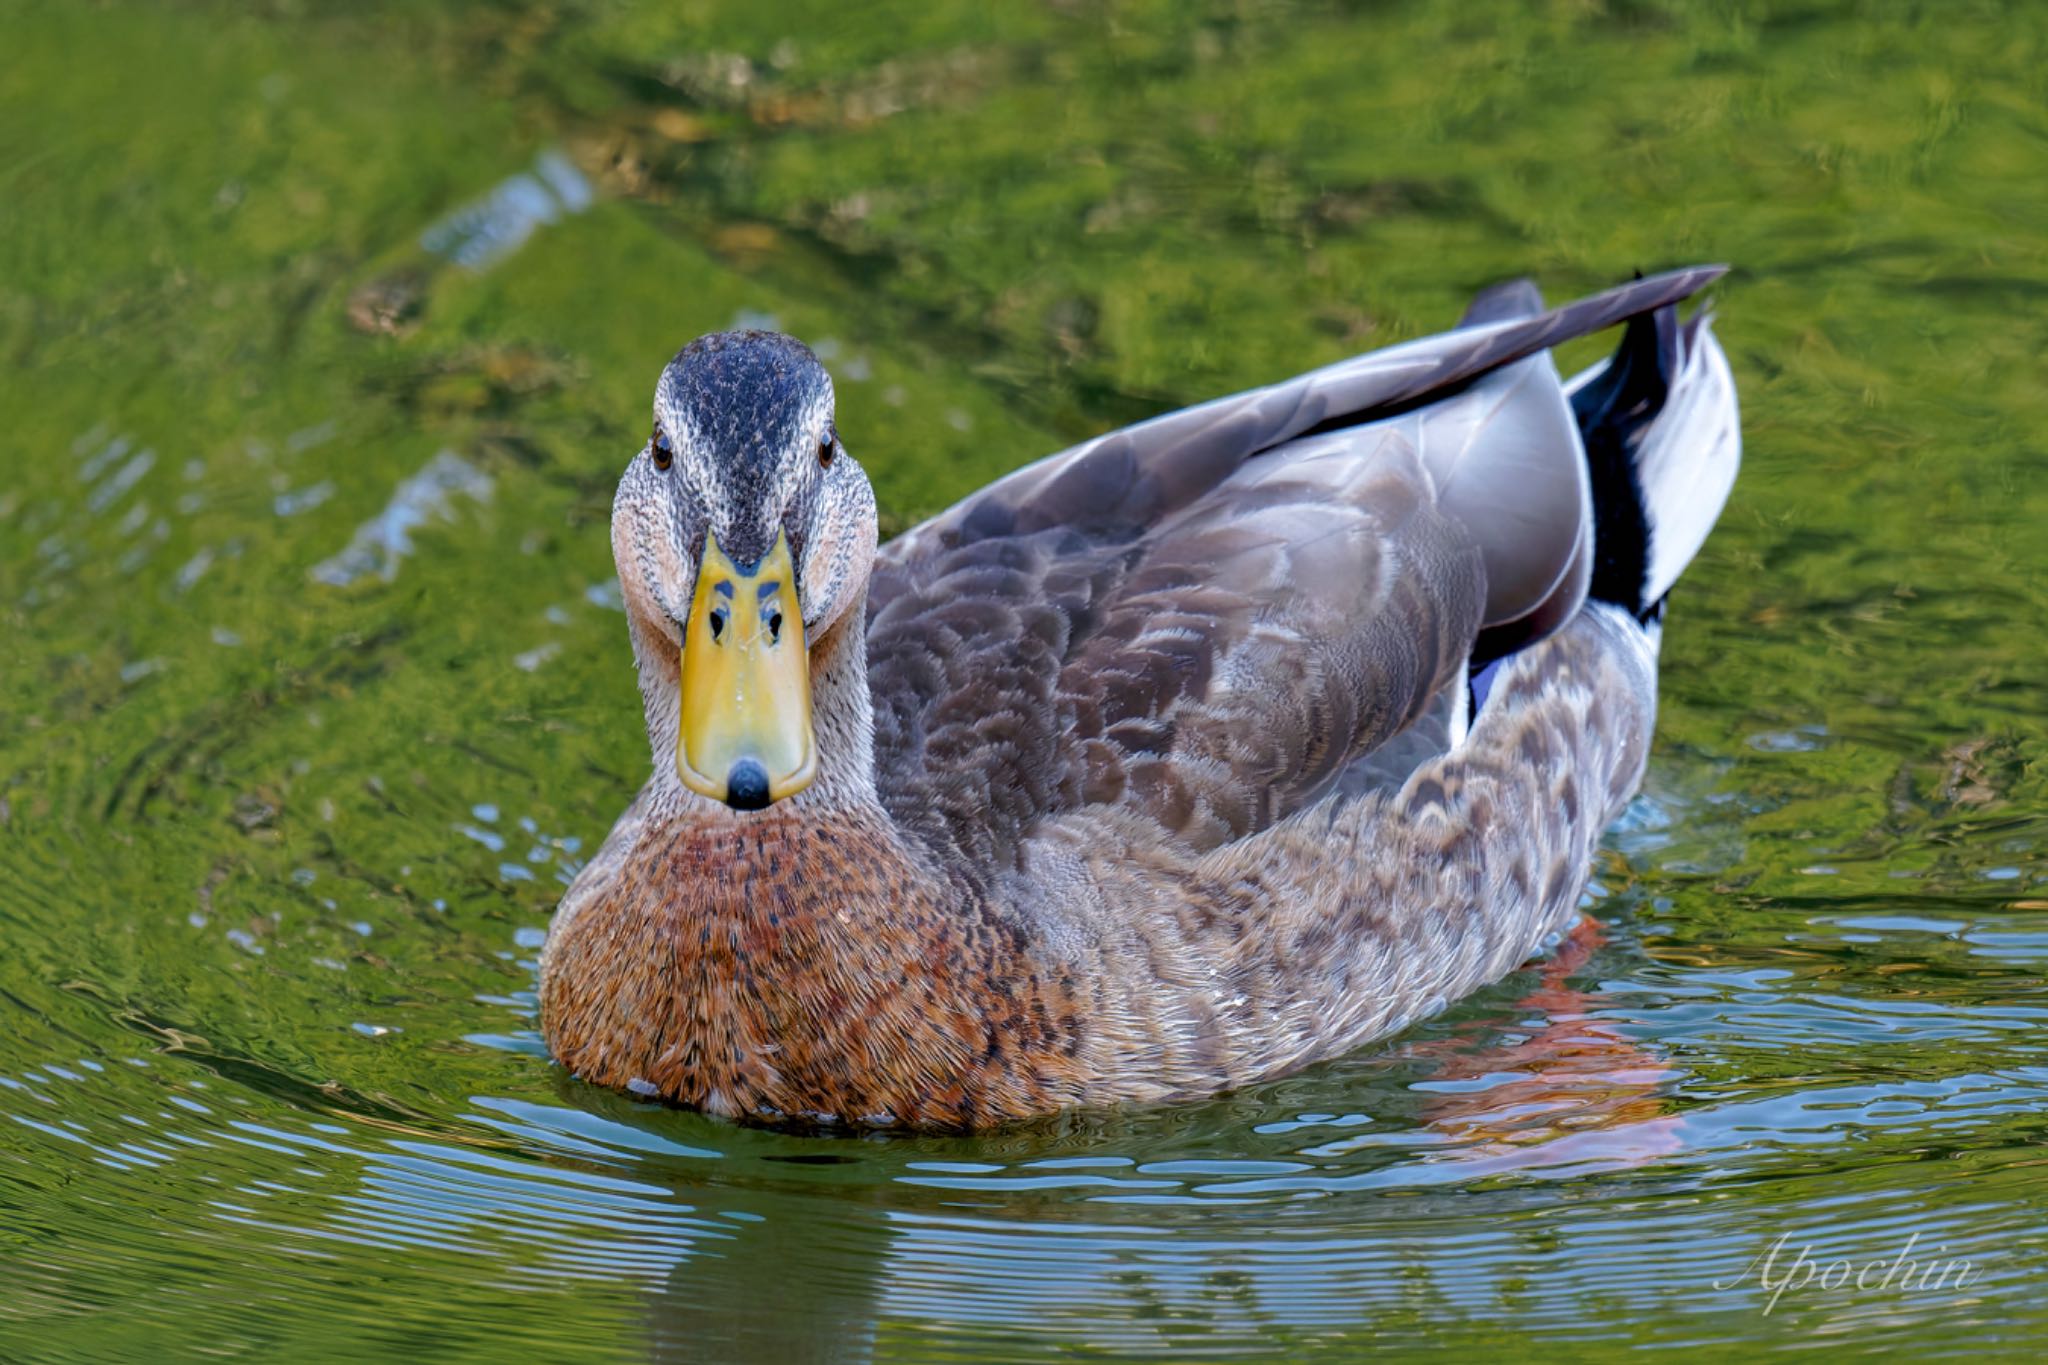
(744, 536)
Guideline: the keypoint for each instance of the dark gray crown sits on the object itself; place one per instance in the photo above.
(740, 405)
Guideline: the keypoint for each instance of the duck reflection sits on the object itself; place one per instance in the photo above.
(1573, 1089)
(798, 1280)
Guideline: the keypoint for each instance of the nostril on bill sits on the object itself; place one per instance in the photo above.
(746, 786)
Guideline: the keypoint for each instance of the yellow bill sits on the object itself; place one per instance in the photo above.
(746, 710)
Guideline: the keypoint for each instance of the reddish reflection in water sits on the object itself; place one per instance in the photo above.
(1577, 1091)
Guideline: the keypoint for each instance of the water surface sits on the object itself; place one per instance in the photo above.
(326, 330)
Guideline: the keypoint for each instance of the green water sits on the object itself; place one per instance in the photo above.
(282, 820)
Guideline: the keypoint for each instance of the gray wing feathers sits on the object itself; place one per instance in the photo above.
(1210, 675)
(1304, 613)
(1159, 622)
(1503, 303)
(1127, 477)
(1418, 371)
(1506, 460)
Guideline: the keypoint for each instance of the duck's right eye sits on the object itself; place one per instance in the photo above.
(663, 455)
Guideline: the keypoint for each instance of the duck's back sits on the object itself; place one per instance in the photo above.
(1214, 620)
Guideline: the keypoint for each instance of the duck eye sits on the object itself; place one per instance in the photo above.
(826, 450)
(663, 455)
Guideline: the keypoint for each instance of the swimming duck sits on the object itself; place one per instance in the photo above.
(1204, 750)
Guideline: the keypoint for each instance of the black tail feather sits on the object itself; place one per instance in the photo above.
(1614, 410)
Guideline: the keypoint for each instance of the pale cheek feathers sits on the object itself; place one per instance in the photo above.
(841, 548)
(651, 566)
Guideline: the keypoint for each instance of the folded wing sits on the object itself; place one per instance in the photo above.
(1203, 620)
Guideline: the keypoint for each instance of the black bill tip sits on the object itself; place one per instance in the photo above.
(746, 786)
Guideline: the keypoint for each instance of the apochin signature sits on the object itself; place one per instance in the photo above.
(1775, 1274)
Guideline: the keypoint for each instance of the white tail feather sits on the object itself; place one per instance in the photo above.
(1687, 460)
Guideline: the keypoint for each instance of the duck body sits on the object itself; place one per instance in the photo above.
(1155, 768)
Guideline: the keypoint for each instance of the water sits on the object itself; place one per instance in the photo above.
(326, 331)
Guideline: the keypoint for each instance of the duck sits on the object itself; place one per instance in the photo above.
(1208, 749)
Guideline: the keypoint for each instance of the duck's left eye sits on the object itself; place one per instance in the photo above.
(826, 449)
(663, 455)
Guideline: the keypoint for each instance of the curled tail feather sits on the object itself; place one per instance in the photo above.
(1663, 443)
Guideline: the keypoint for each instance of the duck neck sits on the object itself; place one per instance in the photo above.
(842, 718)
